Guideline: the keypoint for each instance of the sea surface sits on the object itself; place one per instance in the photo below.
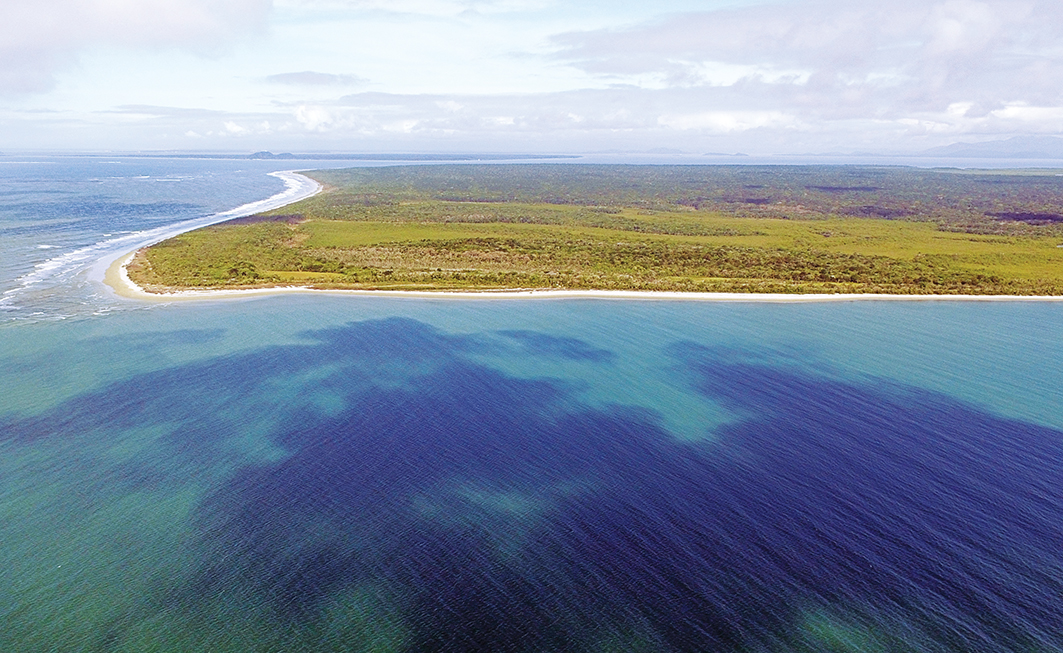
(338, 473)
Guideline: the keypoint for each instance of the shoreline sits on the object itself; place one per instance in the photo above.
(297, 187)
(116, 276)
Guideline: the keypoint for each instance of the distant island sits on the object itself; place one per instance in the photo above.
(400, 156)
(759, 229)
(345, 156)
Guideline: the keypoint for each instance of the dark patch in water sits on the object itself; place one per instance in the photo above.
(548, 346)
(891, 507)
(901, 498)
(379, 342)
(500, 518)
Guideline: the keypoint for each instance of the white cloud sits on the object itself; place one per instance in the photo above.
(450, 105)
(233, 128)
(311, 78)
(39, 37)
(753, 76)
(401, 126)
(728, 121)
(424, 7)
(589, 112)
(314, 118)
(966, 26)
(1025, 113)
(839, 59)
(928, 126)
(718, 73)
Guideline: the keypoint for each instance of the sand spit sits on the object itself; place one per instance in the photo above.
(297, 187)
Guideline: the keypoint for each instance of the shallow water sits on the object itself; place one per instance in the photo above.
(317, 473)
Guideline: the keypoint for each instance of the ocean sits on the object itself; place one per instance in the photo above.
(348, 473)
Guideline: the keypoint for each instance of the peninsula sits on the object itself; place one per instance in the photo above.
(706, 229)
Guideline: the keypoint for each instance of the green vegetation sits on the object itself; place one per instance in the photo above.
(687, 228)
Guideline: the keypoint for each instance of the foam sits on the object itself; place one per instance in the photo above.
(105, 252)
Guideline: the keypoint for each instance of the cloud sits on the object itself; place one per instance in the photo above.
(154, 111)
(424, 7)
(317, 118)
(749, 117)
(38, 38)
(781, 76)
(693, 119)
(233, 128)
(727, 121)
(597, 114)
(310, 78)
(836, 59)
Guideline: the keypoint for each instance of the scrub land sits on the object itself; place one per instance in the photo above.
(746, 229)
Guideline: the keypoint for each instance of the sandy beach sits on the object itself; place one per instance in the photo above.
(297, 187)
(117, 277)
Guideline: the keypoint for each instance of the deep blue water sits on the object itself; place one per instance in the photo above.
(319, 473)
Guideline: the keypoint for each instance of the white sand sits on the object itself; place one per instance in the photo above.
(118, 278)
(297, 187)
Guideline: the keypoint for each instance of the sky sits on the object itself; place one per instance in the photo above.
(545, 76)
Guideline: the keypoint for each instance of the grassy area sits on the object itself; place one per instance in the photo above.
(685, 228)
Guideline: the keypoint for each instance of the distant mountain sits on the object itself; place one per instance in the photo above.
(1018, 147)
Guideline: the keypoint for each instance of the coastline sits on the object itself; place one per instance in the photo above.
(296, 187)
(112, 271)
(117, 278)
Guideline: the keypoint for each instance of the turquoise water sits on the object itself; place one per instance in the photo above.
(323, 473)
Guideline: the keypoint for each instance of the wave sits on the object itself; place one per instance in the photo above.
(96, 258)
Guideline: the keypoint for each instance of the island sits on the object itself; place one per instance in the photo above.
(698, 229)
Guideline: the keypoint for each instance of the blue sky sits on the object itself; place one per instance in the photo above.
(769, 76)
